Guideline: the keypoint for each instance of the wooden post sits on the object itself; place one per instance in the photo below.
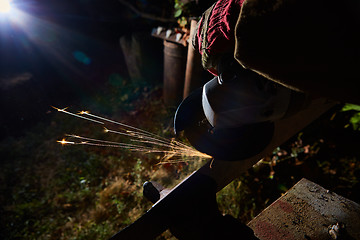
(193, 65)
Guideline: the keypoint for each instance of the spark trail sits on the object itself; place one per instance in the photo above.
(142, 141)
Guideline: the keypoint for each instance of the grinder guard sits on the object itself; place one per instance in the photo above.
(232, 116)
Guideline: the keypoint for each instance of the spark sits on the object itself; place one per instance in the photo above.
(99, 140)
(76, 115)
(142, 141)
(118, 123)
(63, 142)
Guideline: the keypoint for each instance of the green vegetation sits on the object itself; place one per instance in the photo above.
(51, 191)
(185, 10)
(355, 118)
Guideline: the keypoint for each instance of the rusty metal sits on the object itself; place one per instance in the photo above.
(308, 211)
(174, 72)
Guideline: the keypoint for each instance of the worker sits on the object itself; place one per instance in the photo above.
(309, 47)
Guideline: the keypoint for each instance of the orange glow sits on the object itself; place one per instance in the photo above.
(60, 110)
(63, 142)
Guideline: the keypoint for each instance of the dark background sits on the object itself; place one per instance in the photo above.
(64, 51)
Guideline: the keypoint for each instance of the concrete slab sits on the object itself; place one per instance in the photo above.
(308, 211)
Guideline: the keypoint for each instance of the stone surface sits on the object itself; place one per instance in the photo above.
(307, 211)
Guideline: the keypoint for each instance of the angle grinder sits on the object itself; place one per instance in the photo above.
(232, 116)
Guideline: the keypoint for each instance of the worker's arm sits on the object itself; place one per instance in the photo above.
(310, 46)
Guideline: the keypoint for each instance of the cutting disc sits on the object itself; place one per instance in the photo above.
(228, 144)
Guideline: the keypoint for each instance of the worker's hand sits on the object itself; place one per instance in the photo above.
(222, 227)
(204, 221)
(194, 212)
(215, 33)
(300, 46)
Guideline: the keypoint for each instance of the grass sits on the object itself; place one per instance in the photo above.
(50, 191)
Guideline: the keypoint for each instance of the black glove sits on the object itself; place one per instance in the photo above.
(197, 215)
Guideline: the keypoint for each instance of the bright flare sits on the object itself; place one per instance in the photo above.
(5, 6)
(63, 142)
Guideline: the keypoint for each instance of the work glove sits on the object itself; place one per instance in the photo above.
(197, 216)
(214, 36)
